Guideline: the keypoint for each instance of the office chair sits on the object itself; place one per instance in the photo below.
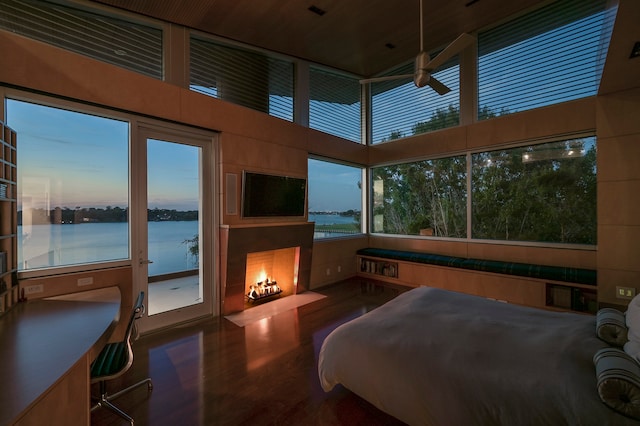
(114, 360)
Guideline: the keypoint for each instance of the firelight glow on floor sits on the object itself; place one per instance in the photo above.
(274, 307)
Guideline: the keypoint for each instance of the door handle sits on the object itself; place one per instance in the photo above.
(145, 261)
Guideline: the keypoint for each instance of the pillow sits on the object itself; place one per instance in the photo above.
(633, 318)
(618, 381)
(611, 326)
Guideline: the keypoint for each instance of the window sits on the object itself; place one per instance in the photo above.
(542, 58)
(542, 193)
(243, 77)
(73, 184)
(334, 104)
(400, 109)
(125, 44)
(422, 198)
(335, 198)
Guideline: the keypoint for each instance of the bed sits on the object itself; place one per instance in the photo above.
(436, 357)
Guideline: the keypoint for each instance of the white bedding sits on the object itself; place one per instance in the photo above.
(435, 357)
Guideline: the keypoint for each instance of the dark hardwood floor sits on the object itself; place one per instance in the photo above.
(215, 373)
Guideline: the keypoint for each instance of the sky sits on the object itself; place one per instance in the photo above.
(69, 159)
(333, 187)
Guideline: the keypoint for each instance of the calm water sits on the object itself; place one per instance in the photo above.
(330, 219)
(54, 245)
(42, 246)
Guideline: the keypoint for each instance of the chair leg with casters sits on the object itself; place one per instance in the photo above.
(113, 361)
(105, 399)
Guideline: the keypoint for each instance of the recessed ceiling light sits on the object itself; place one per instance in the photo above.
(635, 52)
(317, 10)
(390, 46)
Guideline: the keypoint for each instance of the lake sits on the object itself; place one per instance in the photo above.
(42, 246)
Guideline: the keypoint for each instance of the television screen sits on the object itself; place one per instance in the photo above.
(265, 195)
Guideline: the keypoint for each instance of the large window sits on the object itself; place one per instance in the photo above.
(251, 79)
(542, 58)
(335, 198)
(73, 186)
(334, 104)
(541, 193)
(400, 109)
(123, 43)
(421, 198)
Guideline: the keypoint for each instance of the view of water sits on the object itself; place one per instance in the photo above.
(330, 219)
(42, 246)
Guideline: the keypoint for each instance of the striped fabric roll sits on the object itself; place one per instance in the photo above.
(618, 381)
(611, 326)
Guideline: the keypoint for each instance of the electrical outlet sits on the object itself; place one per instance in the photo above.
(328, 271)
(625, 292)
(85, 281)
(32, 289)
(339, 268)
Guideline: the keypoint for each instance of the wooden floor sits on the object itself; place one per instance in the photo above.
(216, 373)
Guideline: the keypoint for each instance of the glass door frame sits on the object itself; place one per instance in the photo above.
(207, 142)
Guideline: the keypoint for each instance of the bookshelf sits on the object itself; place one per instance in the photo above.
(8, 219)
(378, 267)
(571, 297)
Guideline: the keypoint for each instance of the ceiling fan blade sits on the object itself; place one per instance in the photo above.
(438, 86)
(451, 50)
(385, 78)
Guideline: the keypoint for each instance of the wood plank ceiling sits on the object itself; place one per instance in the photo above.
(362, 37)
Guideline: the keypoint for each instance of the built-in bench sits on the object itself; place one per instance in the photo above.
(545, 272)
(524, 283)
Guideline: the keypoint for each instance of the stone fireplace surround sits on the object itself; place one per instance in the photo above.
(237, 241)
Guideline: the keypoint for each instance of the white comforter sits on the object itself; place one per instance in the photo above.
(434, 357)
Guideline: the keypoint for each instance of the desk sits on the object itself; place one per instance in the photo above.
(45, 350)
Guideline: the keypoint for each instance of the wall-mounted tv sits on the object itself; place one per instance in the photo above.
(267, 195)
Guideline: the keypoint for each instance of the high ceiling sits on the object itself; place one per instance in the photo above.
(363, 37)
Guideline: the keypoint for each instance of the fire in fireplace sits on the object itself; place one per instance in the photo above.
(263, 289)
(262, 268)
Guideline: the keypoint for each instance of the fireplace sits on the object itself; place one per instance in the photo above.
(253, 255)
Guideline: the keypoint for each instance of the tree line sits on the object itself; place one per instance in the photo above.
(66, 215)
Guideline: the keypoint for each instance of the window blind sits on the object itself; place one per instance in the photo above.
(125, 44)
(400, 109)
(243, 77)
(334, 104)
(545, 57)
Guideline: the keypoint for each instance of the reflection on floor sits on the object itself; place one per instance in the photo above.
(173, 294)
(212, 372)
(274, 307)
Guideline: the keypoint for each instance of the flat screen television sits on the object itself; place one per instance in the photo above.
(267, 195)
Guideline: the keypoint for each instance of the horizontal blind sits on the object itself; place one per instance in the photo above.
(243, 77)
(115, 41)
(542, 58)
(400, 109)
(334, 104)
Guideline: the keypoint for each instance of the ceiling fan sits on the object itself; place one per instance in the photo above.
(424, 64)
